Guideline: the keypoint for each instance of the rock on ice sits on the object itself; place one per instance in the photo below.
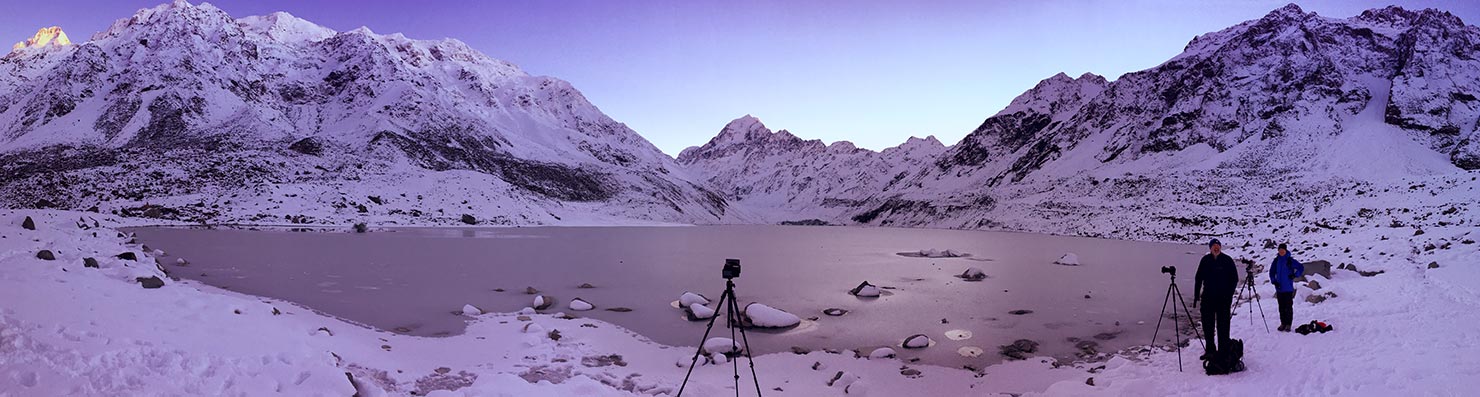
(690, 298)
(916, 341)
(762, 316)
(1069, 259)
(721, 346)
(470, 310)
(973, 274)
(882, 352)
(698, 312)
(865, 290)
(580, 305)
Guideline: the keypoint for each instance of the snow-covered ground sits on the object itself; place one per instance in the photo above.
(70, 330)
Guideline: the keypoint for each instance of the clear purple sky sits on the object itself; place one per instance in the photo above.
(870, 72)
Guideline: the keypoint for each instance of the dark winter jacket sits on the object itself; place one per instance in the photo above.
(1220, 276)
(1283, 272)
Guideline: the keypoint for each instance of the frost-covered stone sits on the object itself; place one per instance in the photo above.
(1069, 259)
(580, 305)
(696, 312)
(721, 346)
(881, 353)
(865, 290)
(916, 341)
(973, 274)
(542, 302)
(690, 298)
(762, 316)
(470, 310)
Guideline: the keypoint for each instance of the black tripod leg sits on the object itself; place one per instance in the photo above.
(734, 314)
(695, 360)
(1162, 314)
(749, 358)
(1261, 309)
(1190, 323)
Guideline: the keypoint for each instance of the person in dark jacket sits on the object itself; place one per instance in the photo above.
(1282, 273)
(1214, 285)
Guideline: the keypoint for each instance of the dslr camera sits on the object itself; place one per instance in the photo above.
(1172, 270)
(731, 269)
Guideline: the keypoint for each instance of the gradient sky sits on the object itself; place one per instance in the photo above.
(870, 72)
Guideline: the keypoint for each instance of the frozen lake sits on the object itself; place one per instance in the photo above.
(412, 280)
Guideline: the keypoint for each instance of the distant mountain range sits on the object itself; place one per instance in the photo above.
(183, 112)
(1290, 99)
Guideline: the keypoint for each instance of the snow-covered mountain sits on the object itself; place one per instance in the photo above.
(182, 111)
(776, 171)
(1267, 119)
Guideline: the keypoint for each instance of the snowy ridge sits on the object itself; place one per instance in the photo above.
(183, 107)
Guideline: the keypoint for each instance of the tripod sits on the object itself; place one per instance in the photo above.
(1253, 296)
(1174, 294)
(732, 313)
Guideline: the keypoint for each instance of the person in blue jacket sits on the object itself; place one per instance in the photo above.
(1282, 273)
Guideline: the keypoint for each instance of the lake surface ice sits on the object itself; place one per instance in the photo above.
(416, 280)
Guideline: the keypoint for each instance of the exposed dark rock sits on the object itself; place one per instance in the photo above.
(309, 146)
(469, 219)
(1020, 312)
(361, 227)
(90, 262)
(1318, 267)
(46, 255)
(128, 256)
(1433, 265)
(28, 224)
(1019, 350)
(150, 282)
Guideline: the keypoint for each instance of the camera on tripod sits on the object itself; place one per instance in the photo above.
(1172, 270)
(731, 269)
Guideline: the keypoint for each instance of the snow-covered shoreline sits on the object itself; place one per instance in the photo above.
(94, 331)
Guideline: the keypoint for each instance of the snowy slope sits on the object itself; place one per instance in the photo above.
(184, 107)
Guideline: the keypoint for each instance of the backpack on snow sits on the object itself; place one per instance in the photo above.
(1227, 360)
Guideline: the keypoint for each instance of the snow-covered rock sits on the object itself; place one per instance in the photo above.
(542, 302)
(762, 316)
(690, 298)
(865, 290)
(1069, 259)
(470, 310)
(973, 274)
(720, 346)
(697, 311)
(580, 305)
(881, 353)
(916, 341)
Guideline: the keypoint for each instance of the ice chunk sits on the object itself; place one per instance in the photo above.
(763, 316)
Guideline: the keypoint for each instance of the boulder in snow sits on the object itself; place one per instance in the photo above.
(833, 311)
(1317, 267)
(973, 274)
(128, 256)
(46, 255)
(150, 282)
(28, 224)
(90, 262)
(916, 341)
(1020, 349)
(1069, 259)
(882, 352)
(762, 316)
(690, 298)
(580, 305)
(470, 310)
(865, 290)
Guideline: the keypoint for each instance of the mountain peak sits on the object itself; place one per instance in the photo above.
(44, 37)
(1395, 15)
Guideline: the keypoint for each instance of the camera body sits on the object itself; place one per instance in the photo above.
(1172, 270)
(731, 269)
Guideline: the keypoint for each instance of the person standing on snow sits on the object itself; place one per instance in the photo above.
(1221, 276)
(1282, 274)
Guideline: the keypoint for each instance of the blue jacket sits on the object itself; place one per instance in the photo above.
(1283, 271)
